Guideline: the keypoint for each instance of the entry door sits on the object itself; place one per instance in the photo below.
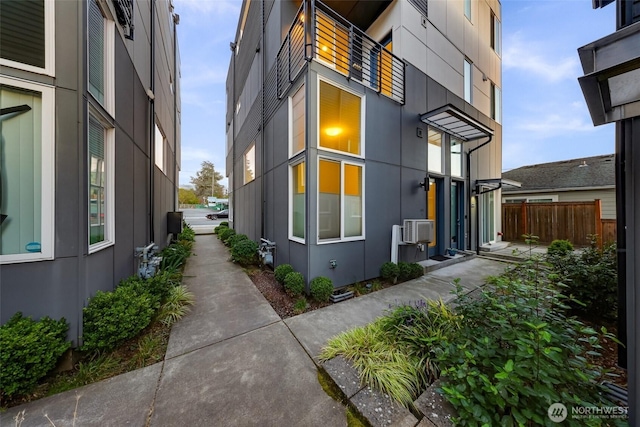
(488, 217)
(457, 214)
(435, 212)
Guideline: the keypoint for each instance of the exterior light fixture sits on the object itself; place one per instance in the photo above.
(611, 84)
(333, 131)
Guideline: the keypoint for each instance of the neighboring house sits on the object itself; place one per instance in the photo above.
(577, 180)
(217, 203)
(90, 148)
(341, 114)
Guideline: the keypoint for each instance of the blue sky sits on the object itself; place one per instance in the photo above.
(545, 118)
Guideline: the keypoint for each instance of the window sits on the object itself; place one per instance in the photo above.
(27, 34)
(101, 184)
(340, 200)
(468, 82)
(297, 118)
(340, 118)
(456, 157)
(467, 9)
(250, 164)
(434, 150)
(27, 171)
(101, 54)
(332, 42)
(382, 66)
(496, 103)
(496, 34)
(159, 148)
(297, 202)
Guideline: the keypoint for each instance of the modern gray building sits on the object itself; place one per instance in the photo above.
(90, 147)
(344, 118)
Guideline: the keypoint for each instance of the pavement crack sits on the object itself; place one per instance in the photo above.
(155, 395)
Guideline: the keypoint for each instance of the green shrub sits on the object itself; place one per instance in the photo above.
(517, 352)
(187, 233)
(224, 224)
(236, 238)
(415, 270)
(158, 286)
(281, 272)
(219, 229)
(389, 271)
(175, 255)
(113, 317)
(294, 283)
(404, 271)
(225, 235)
(321, 288)
(245, 252)
(30, 350)
(560, 248)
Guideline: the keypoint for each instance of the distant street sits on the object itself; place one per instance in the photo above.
(197, 219)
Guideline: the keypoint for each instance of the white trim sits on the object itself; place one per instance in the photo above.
(342, 237)
(109, 188)
(362, 118)
(49, 45)
(47, 220)
(514, 198)
(290, 196)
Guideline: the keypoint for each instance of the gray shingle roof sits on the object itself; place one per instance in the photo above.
(598, 172)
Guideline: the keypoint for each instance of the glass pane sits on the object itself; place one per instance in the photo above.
(467, 81)
(159, 149)
(455, 219)
(297, 119)
(339, 119)
(324, 37)
(432, 208)
(96, 51)
(20, 171)
(329, 200)
(250, 164)
(467, 9)
(97, 181)
(298, 192)
(434, 151)
(352, 201)
(488, 229)
(22, 32)
(456, 157)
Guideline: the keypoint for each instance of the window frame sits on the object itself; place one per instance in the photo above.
(467, 10)
(251, 147)
(110, 187)
(496, 103)
(159, 154)
(49, 45)
(454, 142)
(362, 119)
(467, 81)
(47, 198)
(109, 59)
(441, 171)
(301, 89)
(292, 165)
(496, 34)
(342, 237)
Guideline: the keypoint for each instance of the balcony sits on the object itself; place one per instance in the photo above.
(335, 42)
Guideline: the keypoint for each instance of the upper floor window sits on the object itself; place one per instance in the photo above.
(332, 42)
(496, 103)
(455, 151)
(101, 57)
(467, 9)
(296, 120)
(297, 201)
(496, 34)
(159, 149)
(468, 81)
(27, 190)
(340, 120)
(27, 34)
(434, 150)
(249, 160)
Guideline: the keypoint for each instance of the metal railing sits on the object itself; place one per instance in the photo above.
(338, 44)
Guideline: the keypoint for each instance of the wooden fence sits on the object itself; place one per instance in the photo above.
(573, 221)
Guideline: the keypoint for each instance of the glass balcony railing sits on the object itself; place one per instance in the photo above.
(338, 44)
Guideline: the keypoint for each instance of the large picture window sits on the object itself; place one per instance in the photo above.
(340, 200)
(26, 171)
(101, 54)
(297, 202)
(27, 34)
(340, 120)
(101, 184)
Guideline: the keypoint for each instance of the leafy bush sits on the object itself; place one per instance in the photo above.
(281, 272)
(30, 350)
(225, 233)
(517, 353)
(591, 277)
(403, 271)
(415, 270)
(321, 288)
(188, 233)
(236, 238)
(389, 271)
(224, 224)
(112, 317)
(560, 248)
(294, 283)
(245, 252)
(219, 229)
(175, 256)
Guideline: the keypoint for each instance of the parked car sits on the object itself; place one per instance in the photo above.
(220, 214)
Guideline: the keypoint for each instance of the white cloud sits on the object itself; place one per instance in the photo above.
(529, 57)
(554, 124)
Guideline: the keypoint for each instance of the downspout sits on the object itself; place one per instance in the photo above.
(469, 187)
(152, 113)
(263, 202)
(176, 175)
(233, 46)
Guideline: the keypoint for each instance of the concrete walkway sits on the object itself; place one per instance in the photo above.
(232, 361)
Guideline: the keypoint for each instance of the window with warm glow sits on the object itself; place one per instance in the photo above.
(297, 210)
(340, 118)
(332, 42)
(340, 200)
